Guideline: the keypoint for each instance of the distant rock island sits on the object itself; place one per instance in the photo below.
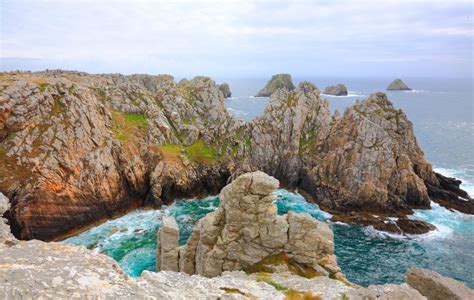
(398, 85)
(336, 90)
(278, 81)
(225, 89)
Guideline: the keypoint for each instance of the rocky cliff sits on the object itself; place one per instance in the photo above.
(78, 148)
(398, 85)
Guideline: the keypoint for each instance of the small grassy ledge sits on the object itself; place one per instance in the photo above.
(127, 126)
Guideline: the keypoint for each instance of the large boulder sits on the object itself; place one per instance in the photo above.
(336, 90)
(245, 229)
(398, 85)
(437, 287)
(278, 81)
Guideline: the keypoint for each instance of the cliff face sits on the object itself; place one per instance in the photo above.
(76, 148)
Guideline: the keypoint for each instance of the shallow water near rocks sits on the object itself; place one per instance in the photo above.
(365, 255)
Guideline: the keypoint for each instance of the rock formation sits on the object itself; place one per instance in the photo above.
(398, 85)
(245, 229)
(77, 148)
(225, 89)
(278, 81)
(336, 90)
(168, 245)
(437, 287)
(6, 238)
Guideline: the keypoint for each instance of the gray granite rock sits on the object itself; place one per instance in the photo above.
(336, 90)
(168, 245)
(225, 89)
(437, 287)
(278, 81)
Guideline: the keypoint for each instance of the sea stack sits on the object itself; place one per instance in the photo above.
(225, 89)
(398, 85)
(278, 81)
(336, 90)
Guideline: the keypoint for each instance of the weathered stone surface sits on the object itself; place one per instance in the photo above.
(437, 287)
(6, 238)
(168, 245)
(336, 90)
(386, 292)
(225, 89)
(398, 85)
(278, 81)
(77, 148)
(246, 228)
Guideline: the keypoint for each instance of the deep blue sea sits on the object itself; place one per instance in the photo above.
(443, 117)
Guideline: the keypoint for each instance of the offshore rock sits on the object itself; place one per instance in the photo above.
(437, 287)
(168, 245)
(336, 90)
(225, 89)
(278, 81)
(398, 85)
(246, 228)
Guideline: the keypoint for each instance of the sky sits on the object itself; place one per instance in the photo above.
(240, 39)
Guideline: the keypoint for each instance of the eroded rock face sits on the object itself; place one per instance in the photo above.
(246, 228)
(437, 287)
(398, 85)
(336, 90)
(77, 148)
(6, 238)
(278, 81)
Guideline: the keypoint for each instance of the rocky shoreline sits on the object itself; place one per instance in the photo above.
(76, 148)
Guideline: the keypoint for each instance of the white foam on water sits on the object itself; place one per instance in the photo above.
(467, 185)
(349, 95)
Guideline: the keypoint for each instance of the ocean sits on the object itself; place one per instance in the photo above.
(443, 118)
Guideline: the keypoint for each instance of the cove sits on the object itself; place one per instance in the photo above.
(365, 255)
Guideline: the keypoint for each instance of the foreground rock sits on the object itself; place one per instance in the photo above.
(398, 85)
(437, 287)
(278, 81)
(245, 229)
(336, 90)
(225, 89)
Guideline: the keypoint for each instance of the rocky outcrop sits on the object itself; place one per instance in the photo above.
(245, 229)
(398, 85)
(437, 287)
(6, 238)
(77, 148)
(168, 245)
(225, 89)
(336, 90)
(278, 81)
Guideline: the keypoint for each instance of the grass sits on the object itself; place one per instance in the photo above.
(128, 127)
(234, 291)
(200, 152)
(58, 107)
(42, 86)
(264, 266)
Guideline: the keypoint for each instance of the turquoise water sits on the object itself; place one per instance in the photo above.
(365, 255)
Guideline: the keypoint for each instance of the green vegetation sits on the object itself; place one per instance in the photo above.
(234, 291)
(291, 100)
(307, 142)
(42, 86)
(297, 295)
(200, 152)
(128, 126)
(3, 151)
(265, 266)
(344, 297)
(58, 107)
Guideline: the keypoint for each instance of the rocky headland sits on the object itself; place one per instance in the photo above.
(278, 81)
(78, 148)
(336, 90)
(225, 89)
(398, 85)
